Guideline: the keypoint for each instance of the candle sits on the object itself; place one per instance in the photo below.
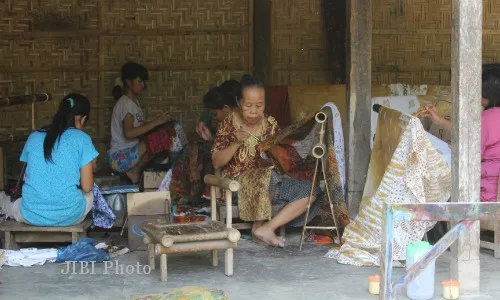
(451, 289)
(374, 284)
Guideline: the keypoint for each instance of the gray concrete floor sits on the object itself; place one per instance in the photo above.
(260, 272)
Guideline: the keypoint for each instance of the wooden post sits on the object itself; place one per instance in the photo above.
(151, 255)
(3, 176)
(466, 68)
(213, 208)
(386, 253)
(250, 36)
(358, 99)
(163, 267)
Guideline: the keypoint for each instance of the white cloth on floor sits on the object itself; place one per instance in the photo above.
(29, 257)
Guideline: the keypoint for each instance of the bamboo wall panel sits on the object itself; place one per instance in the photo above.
(412, 40)
(62, 46)
(298, 45)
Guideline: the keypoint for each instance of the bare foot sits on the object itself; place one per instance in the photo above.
(266, 234)
(134, 176)
(256, 225)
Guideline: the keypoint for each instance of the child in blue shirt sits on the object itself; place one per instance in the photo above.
(60, 161)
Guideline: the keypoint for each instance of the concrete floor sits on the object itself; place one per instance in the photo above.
(260, 272)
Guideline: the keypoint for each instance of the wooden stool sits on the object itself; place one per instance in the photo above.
(16, 232)
(164, 239)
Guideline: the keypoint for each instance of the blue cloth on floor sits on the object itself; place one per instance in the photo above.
(102, 214)
(83, 250)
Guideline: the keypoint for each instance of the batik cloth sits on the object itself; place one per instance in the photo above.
(404, 168)
(248, 156)
(188, 171)
(102, 214)
(296, 142)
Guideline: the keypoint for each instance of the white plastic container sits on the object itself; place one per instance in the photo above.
(422, 287)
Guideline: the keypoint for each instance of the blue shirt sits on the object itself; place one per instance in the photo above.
(51, 196)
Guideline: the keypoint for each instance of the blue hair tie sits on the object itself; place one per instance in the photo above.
(71, 102)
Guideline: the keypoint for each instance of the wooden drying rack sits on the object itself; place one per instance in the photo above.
(32, 99)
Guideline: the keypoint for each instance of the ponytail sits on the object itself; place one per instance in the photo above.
(117, 92)
(72, 105)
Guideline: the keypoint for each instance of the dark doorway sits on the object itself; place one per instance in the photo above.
(335, 14)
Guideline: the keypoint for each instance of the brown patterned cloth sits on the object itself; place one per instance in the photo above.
(252, 171)
(254, 201)
(226, 135)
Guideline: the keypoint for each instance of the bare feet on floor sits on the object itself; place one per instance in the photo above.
(134, 176)
(267, 235)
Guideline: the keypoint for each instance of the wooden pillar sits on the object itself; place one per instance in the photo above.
(466, 132)
(358, 99)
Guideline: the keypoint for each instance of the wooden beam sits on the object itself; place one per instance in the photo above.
(466, 133)
(25, 35)
(115, 68)
(358, 99)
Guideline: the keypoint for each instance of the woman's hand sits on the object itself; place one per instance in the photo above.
(242, 136)
(203, 131)
(431, 112)
(163, 118)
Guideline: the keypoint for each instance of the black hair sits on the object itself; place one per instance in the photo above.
(230, 90)
(130, 71)
(248, 81)
(491, 85)
(214, 99)
(72, 105)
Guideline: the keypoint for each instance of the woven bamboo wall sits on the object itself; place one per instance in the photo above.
(296, 44)
(412, 40)
(61, 46)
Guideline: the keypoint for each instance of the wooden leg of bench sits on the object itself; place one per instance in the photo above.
(496, 239)
(74, 237)
(10, 241)
(215, 258)
(229, 262)
(163, 267)
(151, 256)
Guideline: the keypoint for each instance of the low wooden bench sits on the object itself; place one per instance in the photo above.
(16, 233)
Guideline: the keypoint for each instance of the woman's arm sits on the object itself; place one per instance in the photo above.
(222, 157)
(87, 177)
(130, 132)
(432, 113)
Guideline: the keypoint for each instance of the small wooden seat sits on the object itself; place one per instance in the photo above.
(164, 239)
(16, 233)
